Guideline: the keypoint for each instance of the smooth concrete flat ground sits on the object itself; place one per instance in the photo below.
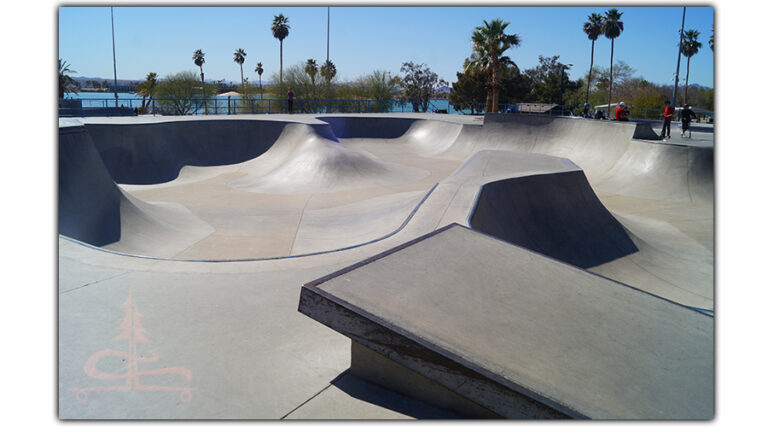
(233, 326)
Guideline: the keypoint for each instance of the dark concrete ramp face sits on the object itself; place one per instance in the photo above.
(367, 127)
(555, 214)
(89, 201)
(645, 131)
(520, 334)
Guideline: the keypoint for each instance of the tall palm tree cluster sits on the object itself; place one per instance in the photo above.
(609, 25)
(280, 30)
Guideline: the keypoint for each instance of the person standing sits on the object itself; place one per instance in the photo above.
(622, 112)
(585, 111)
(290, 100)
(685, 117)
(667, 115)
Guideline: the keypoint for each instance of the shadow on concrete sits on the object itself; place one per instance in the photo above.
(379, 396)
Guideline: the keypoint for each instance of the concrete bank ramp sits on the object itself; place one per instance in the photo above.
(265, 195)
(668, 263)
(489, 329)
(89, 201)
(429, 138)
(94, 210)
(158, 229)
(152, 153)
(610, 154)
(556, 214)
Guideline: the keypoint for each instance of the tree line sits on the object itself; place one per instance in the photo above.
(488, 77)
(491, 77)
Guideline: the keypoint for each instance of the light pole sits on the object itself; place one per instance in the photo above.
(328, 38)
(114, 61)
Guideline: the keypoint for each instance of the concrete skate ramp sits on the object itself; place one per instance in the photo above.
(612, 159)
(94, 210)
(555, 214)
(155, 152)
(517, 333)
(303, 161)
(645, 131)
(89, 201)
(366, 127)
(203, 206)
(157, 229)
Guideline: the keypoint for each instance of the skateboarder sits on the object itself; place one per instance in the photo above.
(667, 115)
(685, 117)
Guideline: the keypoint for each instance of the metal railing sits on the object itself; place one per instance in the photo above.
(232, 106)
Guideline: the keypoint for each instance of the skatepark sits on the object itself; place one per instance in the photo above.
(384, 266)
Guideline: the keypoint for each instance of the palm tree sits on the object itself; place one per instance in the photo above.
(690, 47)
(199, 58)
(489, 43)
(712, 39)
(147, 90)
(280, 29)
(260, 70)
(479, 62)
(311, 68)
(66, 82)
(240, 58)
(328, 71)
(594, 29)
(612, 28)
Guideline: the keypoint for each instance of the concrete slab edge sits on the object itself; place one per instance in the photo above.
(311, 294)
(439, 365)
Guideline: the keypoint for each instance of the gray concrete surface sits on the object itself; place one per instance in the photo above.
(215, 269)
(584, 346)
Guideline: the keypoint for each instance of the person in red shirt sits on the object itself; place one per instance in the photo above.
(622, 113)
(669, 112)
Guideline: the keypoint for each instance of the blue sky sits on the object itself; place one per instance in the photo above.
(162, 39)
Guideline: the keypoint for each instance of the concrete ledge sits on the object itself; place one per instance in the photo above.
(516, 333)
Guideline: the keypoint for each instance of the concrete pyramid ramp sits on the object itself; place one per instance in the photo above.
(302, 161)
